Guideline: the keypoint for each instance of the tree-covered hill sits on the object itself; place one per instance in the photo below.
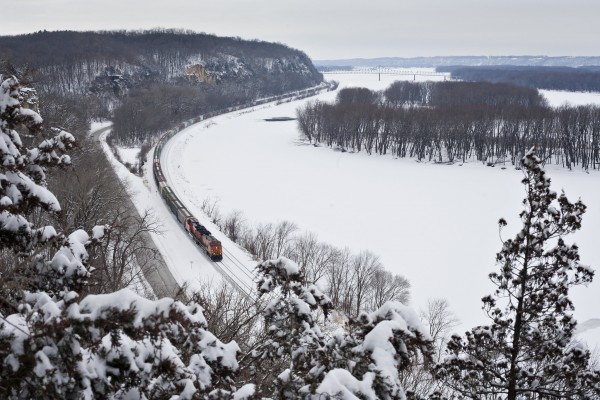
(147, 81)
(77, 62)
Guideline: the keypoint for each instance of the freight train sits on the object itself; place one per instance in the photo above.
(202, 236)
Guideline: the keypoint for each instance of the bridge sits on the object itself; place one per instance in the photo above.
(388, 71)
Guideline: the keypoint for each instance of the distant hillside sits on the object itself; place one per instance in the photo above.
(554, 73)
(430, 62)
(114, 62)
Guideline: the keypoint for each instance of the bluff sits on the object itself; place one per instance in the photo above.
(115, 62)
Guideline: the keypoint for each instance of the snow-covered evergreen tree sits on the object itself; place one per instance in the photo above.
(23, 194)
(294, 337)
(112, 346)
(361, 361)
(54, 345)
(364, 360)
(22, 174)
(527, 351)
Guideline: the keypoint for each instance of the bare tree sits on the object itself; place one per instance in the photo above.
(90, 192)
(265, 241)
(283, 237)
(314, 257)
(418, 379)
(210, 207)
(440, 320)
(364, 267)
(233, 225)
(386, 286)
(126, 256)
(339, 278)
(230, 314)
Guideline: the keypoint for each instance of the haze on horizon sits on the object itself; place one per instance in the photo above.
(337, 29)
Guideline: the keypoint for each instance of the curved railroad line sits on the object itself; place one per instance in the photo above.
(225, 262)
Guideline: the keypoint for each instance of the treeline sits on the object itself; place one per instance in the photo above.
(581, 79)
(46, 48)
(455, 121)
(354, 282)
(448, 94)
(148, 111)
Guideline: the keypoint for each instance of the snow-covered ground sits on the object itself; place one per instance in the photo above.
(557, 98)
(97, 125)
(129, 155)
(434, 224)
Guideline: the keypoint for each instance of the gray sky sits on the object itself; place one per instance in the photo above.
(330, 29)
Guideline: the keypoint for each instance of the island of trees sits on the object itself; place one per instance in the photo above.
(448, 122)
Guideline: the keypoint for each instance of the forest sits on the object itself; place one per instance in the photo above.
(447, 122)
(72, 61)
(580, 79)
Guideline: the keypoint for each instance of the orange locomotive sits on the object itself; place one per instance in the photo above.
(204, 238)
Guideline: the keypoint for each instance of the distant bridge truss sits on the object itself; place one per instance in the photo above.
(390, 71)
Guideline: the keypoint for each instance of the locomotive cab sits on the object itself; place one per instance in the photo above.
(215, 250)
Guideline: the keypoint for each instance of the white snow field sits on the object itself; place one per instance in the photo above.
(434, 224)
(557, 98)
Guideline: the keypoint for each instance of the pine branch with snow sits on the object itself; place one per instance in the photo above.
(294, 335)
(117, 345)
(366, 358)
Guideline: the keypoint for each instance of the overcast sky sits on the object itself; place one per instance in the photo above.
(334, 29)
